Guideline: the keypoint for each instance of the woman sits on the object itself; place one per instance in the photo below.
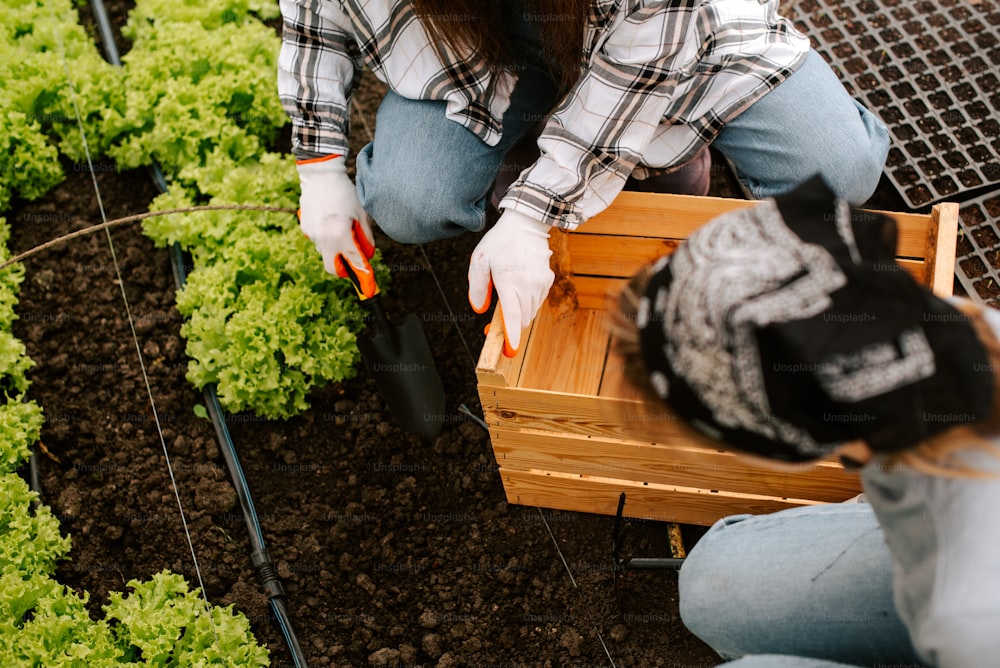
(626, 89)
(788, 331)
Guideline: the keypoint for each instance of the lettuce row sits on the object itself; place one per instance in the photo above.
(38, 121)
(160, 623)
(42, 622)
(263, 320)
(197, 93)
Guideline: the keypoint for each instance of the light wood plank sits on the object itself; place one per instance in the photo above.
(614, 384)
(493, 368)
(942, 242)
(517, 408)
(676, 216)
(598, 292)
(673, 465)
(657, 215)
(652, 502)
(606, 255)
(585, 415)
(567, 351)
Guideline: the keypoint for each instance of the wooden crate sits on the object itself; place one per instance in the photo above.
(569, 433)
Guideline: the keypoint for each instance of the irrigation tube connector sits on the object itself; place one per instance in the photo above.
(619, 564)
(261, 560)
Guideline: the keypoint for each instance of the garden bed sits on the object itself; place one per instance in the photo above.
(391, 550)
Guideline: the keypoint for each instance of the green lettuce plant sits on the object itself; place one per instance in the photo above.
(265, 321)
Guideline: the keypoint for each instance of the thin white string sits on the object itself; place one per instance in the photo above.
(128, 312)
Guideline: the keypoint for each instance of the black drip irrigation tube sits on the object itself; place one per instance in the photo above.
(260, 558)
(30, 472)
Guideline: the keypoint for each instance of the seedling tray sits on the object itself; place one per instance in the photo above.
(978, 253)
(928, 69)
(567, 430)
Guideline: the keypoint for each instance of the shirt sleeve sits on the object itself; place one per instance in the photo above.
(660, 85)
(318, 67)
(944, 536)
(596, 136)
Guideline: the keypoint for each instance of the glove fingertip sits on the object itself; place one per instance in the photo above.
(475, 284)
(484, 307)
(508, 351)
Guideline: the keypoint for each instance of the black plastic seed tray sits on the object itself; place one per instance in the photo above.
(929, 69)
(977, 258)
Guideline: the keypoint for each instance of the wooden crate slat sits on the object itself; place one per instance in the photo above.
(614, 384)
(683, 505)
(655, 215)
(567, 351)
(672, 465)
(520, 408)
(941, 247)
(676, 216)
(493, 368)
(593, 292)
(607, 255)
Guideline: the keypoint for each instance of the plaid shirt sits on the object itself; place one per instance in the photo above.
(660, 79)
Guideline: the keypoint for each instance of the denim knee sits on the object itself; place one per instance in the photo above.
(854, 169)
(706, 592)
(400, 218)
(412, 206)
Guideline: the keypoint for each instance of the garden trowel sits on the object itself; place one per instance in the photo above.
(400, 361)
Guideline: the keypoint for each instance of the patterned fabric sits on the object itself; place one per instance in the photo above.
(659, 80)
(787, 329)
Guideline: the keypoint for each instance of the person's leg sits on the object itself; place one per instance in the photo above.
(424, 177)
(782, 661)
(691, 178)
(813, 582)
(807, 125)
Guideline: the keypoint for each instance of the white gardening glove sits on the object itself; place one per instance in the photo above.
(513, 257)
(331, 216)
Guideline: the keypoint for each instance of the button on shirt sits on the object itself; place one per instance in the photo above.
(659, 80)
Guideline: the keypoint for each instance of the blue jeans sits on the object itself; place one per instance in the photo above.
(807, 125)
(425, 177)
(810, 582)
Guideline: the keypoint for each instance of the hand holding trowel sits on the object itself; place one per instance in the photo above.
(397, 357)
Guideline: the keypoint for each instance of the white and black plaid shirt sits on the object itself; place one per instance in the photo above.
(660, 80)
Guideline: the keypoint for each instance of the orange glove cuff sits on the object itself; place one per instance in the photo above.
(322, 158)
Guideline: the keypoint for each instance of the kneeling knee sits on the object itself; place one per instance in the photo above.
(401, 218)
(412, 216)
(856, 179)
(854, 173)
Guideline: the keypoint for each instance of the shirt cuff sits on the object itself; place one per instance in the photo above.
(313, 141)
(542, 205)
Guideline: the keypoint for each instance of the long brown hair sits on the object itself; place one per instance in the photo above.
(938, 455)
(474, 26)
